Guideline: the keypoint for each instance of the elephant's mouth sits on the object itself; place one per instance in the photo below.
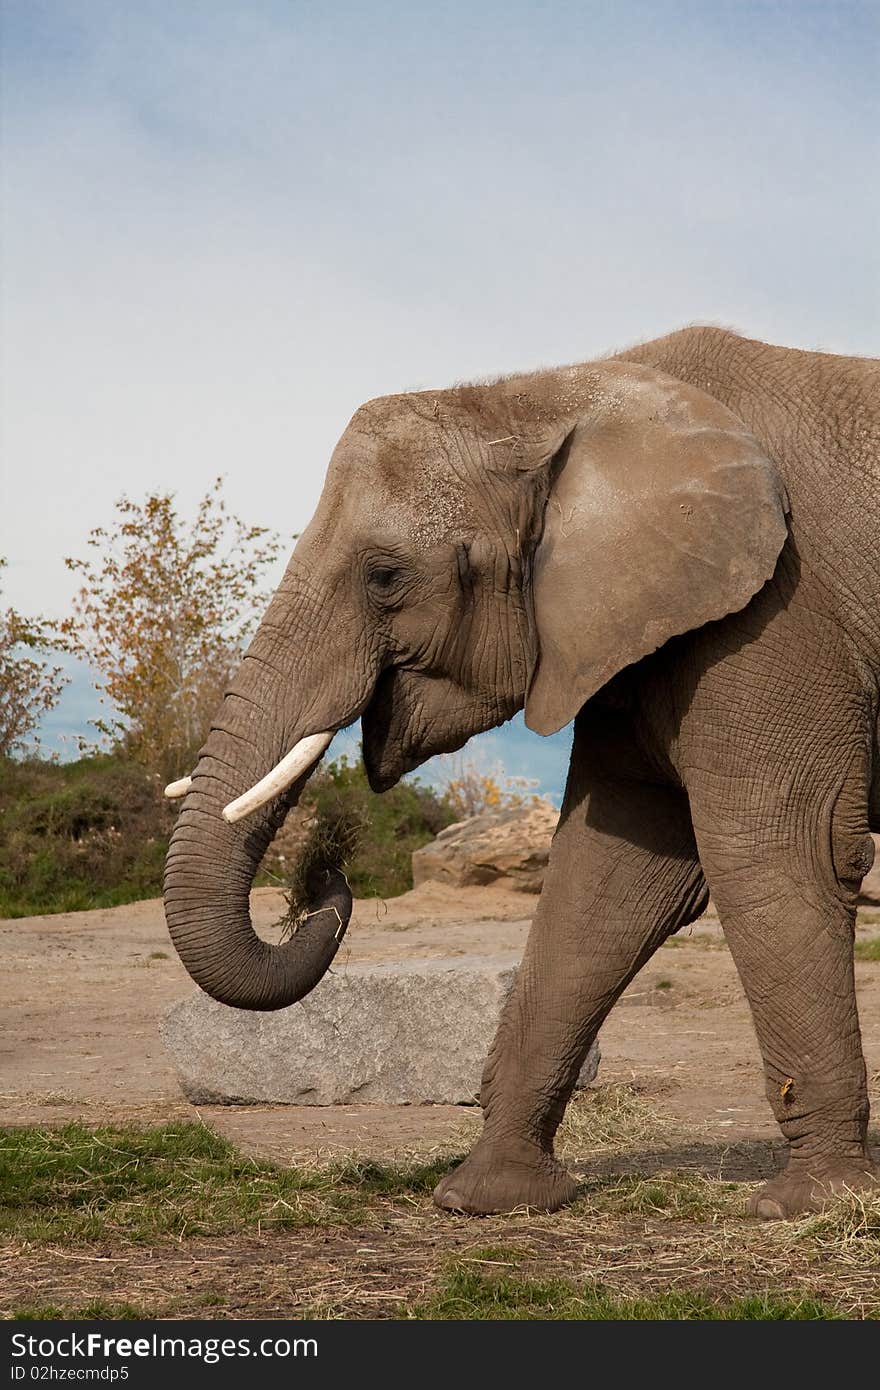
(389, 750)
(414, 716)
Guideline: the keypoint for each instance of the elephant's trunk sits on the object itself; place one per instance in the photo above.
(208, 876)
(211, 863)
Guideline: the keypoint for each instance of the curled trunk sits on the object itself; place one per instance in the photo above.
(208, 877)
(269, 724)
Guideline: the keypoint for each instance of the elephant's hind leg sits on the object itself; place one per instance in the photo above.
(793, 948)
(623, 875)
(784, 859)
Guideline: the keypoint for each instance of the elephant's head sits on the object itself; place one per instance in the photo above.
(474, 550)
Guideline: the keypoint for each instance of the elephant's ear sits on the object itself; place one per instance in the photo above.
(663, 514)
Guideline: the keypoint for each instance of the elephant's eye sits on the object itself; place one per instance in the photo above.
(383, 577)
(386, 582)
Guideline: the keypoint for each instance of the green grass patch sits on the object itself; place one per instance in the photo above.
(71, 1186)
(76, 1184)
(708, 943)
(495, 1255)
(470, 1294)
(97, 1311)
(868, 950)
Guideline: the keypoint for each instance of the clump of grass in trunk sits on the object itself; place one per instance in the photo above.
(333, 840)
(391, 827)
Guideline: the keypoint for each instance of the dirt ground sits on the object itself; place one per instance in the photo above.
(85, 992)
(82, 999)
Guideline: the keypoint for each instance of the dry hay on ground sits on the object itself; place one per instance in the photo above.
(662, 1212)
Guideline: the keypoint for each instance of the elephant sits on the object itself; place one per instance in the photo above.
(677, 547)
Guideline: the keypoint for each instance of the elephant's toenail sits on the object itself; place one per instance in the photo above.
(768, 1210)
(451, 1200)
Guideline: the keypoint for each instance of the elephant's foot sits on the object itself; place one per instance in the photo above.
(807, 1188)
(494, 1180)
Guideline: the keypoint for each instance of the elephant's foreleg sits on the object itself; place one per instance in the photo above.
(623, 874)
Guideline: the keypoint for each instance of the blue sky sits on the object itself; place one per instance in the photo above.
(226, 225)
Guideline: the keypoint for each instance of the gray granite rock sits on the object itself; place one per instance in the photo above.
(402, 1033)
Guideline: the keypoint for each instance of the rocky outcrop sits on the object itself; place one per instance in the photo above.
(511, 848)
(395, 1033)
(508, 848)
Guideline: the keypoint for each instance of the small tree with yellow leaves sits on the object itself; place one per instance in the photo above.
(471, 789)
(164, 612)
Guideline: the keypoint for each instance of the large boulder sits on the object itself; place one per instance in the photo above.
(396, 1033)
(507, 848)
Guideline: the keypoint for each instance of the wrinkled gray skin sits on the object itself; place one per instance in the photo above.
(681, 547)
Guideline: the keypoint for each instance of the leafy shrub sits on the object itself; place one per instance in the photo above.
(93, 833)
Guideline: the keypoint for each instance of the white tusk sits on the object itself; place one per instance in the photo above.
(300, 758)
(175, 790)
